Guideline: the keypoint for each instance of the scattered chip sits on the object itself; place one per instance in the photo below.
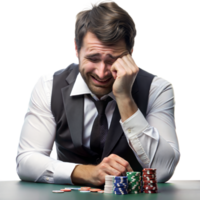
(73, 188)
(85, 188)
(57, 191)
(95, 190)
(66, 190)
(84, 191)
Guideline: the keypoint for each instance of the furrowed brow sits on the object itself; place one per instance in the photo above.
(109, 55)
(116, 57)
(92, 55)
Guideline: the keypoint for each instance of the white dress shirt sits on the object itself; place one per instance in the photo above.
(153, 140)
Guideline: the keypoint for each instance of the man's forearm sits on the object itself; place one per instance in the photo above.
(127, 107)
(81, 174)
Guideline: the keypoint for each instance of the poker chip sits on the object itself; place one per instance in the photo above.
(57, 191)
(85, 188)
(101, 191)
(120, 192)
(134, 182)
(73, 188)
(66, 190)
(150, 191)
(109, 181)
(120, 185)
(133, 174)
(120, 177)
(150, 184)
(149, 180)
(150, 187)
(135, 192)
(149, 169)
(95, 190)
(149, 175)
(149, 172)
(84, 191)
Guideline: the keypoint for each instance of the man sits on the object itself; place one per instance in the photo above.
(106, 115)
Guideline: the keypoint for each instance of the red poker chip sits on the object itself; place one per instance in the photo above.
(150, 184)
(66, 190)
(149, 175)
(150, 191)
(148, 172)
(149, 181)
(150, 187)
(149, 169)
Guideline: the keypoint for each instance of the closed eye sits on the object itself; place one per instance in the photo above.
(96, 60)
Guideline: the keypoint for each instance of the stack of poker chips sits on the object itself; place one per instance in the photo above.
(109, 183)
(120, 185)
(134, 182)
(149, 180)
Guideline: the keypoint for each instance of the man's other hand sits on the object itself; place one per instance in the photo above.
(95, 175)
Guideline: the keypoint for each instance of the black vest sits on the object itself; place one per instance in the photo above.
(69, 116)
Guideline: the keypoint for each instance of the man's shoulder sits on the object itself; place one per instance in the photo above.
(66, 70)
(156, 80)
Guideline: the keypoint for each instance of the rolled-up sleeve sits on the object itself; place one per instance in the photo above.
(153, 139)
(36, 141)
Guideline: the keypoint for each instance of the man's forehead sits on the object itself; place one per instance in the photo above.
(107, 51)
(106, 55)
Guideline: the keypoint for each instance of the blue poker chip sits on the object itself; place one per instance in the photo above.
(121, 184)
(120, 193)
(121, 177)
(120, 190)
(121, 181)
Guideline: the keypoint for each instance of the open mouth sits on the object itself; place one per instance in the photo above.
(100, 81)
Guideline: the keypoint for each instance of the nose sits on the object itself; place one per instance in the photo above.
(103, 70)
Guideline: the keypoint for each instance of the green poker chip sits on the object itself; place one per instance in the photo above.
(133, 174)
(134, 182)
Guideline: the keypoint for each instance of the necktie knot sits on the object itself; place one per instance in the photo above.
(101, 105)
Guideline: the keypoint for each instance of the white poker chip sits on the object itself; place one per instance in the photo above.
(84, 191)
(73, 188)
(57, 191)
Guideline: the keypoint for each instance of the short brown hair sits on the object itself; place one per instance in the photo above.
(109, 22)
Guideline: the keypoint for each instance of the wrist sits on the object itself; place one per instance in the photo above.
(127, 107)
(82, 175)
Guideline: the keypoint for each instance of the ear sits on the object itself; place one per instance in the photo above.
(75, 50)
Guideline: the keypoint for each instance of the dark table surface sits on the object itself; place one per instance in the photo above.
(20, 190)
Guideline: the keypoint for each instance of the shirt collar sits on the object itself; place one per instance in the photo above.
(81, 88)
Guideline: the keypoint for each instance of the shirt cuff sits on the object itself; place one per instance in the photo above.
(63, 171)
(134, 125)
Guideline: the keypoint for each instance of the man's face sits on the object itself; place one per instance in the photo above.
(95, 61)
